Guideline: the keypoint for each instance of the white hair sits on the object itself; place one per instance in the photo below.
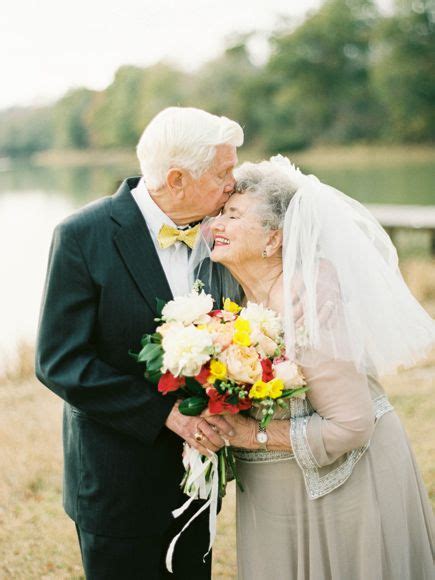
(183, 137)
(270, 186)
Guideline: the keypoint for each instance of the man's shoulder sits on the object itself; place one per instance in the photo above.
(96, 213)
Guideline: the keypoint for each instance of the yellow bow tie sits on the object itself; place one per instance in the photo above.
(169, 235)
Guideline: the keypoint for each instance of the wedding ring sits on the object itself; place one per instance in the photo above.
(198, 436)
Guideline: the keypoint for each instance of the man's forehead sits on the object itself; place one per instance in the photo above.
(226, 155)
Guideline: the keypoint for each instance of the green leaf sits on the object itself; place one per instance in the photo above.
(149, 352)
(293, 392)
(233, 399)
(155, 364)
(194, 387)
(193, 405)
(153, 377)
(160, 304)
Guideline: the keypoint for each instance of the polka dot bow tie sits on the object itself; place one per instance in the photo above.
(168, 235)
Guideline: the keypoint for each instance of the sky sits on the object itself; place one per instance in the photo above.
(50, 46)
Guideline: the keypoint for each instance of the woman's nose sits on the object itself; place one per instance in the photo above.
(218, 224)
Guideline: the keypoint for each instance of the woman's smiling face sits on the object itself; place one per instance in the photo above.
(238, 233)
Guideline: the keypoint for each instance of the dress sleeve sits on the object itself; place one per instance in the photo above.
(328, 443)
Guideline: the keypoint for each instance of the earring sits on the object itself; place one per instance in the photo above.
(264, 253)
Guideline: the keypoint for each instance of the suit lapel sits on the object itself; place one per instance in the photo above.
(136, 247)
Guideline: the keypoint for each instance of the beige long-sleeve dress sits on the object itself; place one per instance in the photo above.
(348, 503)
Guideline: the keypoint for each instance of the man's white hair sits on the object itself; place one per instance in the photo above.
(183, 137)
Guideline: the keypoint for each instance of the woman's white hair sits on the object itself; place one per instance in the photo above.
(183, 137)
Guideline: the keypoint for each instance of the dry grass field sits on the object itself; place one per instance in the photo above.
(37, 540)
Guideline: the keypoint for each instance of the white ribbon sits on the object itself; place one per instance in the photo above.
(198, 485)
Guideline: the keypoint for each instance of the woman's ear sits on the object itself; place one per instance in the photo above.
(174, 181)
(274, 243)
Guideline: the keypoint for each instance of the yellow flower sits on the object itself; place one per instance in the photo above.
(276, 387)
(202, 327)
(218, 370)
(242, 338)
(243, 325)
(230, 306)
(259, 390)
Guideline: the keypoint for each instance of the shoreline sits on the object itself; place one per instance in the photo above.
(320, 156)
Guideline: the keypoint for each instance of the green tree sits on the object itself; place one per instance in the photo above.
(162, 86)
(404, 71)
(227, 86)
(318, 78)
(25, 130)
(111, 118)
(70, 119)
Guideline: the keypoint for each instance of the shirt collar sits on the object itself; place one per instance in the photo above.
(153, 215)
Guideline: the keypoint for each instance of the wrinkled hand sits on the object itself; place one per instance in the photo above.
(244, 428)
(214, 430)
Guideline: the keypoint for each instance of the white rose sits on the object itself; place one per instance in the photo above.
(263, 319)
(289, 373)
(186, 349)
(188, 309)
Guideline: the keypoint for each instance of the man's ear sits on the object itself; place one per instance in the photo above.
(175, 181)
(274, 243)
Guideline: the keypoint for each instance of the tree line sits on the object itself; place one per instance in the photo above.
(346, 74)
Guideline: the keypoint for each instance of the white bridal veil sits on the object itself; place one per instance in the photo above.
(344, 295)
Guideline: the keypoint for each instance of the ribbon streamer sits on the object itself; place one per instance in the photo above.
(197, 487)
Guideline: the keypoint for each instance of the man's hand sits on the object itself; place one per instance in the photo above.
(213, 430)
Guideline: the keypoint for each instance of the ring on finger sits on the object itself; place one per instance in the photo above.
(198, 436)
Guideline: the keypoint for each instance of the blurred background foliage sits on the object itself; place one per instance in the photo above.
(345, 74)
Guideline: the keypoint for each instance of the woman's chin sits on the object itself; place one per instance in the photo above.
(217, 255)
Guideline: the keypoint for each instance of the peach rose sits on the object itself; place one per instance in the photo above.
(242, 363)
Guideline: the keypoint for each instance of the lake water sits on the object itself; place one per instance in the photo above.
(34, 199)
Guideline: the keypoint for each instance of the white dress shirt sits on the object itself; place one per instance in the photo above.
(174, 259)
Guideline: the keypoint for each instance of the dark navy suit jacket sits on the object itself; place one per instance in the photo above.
(122, 465)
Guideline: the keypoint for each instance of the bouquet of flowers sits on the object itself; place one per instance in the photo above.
(227, 360)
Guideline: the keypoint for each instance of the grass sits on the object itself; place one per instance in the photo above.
(37, 540)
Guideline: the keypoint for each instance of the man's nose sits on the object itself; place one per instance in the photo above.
(229, 188)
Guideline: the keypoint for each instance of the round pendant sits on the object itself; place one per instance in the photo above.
(262, 437)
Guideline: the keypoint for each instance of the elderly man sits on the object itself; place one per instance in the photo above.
(108, 264)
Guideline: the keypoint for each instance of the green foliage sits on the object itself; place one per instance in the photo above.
(193, 405)
(346, 74)
(71, 127)
(319, 81)
(24, 131)
(225, 86)
(404, 71)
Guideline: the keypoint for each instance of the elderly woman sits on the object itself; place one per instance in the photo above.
(334, 492)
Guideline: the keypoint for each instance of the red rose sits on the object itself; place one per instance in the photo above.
(203, 374)
(266, 365)
(215, 313)
(244, 404)
(217, 403)
(168, 383)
